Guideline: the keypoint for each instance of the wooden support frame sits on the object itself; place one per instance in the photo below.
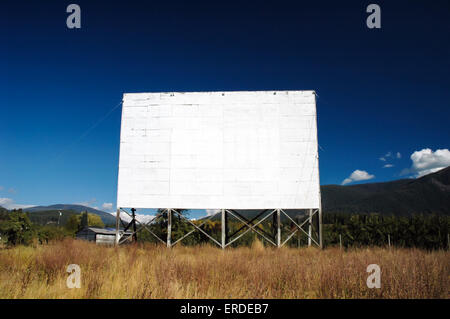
(187, 234)
(120, 240)
(251, 227)
(308, 221)
(198, 228)
(226, 240)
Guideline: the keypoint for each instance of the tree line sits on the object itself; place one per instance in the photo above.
(423, 231)
(339, 229)
(16, 228)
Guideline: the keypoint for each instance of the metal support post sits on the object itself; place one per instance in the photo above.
(224, 228)
(133, 214)
(117, 226)
(310, 228)
(169, 227)
(320, 228)
(278, 228)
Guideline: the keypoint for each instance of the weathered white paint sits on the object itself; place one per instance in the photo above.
(213, 150)
(105, 239)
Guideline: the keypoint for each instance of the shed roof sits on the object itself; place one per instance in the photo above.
(104, 231)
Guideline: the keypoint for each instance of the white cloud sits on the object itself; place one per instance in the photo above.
(107, 206)
(139, 217)
(210, 212)
(426, 161)
(357, 176)
(390, 155)
(6, 202)
(388, 165)
(1, 188)
(9, 203)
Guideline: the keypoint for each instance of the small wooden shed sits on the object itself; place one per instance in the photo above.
(101, 236)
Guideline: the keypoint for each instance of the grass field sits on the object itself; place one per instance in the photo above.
(208, 272)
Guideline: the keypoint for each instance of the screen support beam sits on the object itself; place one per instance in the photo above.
(314, 237)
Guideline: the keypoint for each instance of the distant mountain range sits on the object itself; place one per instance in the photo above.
(428, 194)
(107, 218)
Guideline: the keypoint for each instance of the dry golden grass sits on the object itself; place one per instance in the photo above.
(207, 272)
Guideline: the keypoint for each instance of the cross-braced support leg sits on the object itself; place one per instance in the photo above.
(314, 232)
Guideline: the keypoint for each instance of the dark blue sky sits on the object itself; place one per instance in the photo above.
(380, 91)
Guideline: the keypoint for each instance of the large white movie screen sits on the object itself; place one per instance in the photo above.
(213, 150)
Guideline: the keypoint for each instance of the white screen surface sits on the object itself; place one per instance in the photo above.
(213, 150)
